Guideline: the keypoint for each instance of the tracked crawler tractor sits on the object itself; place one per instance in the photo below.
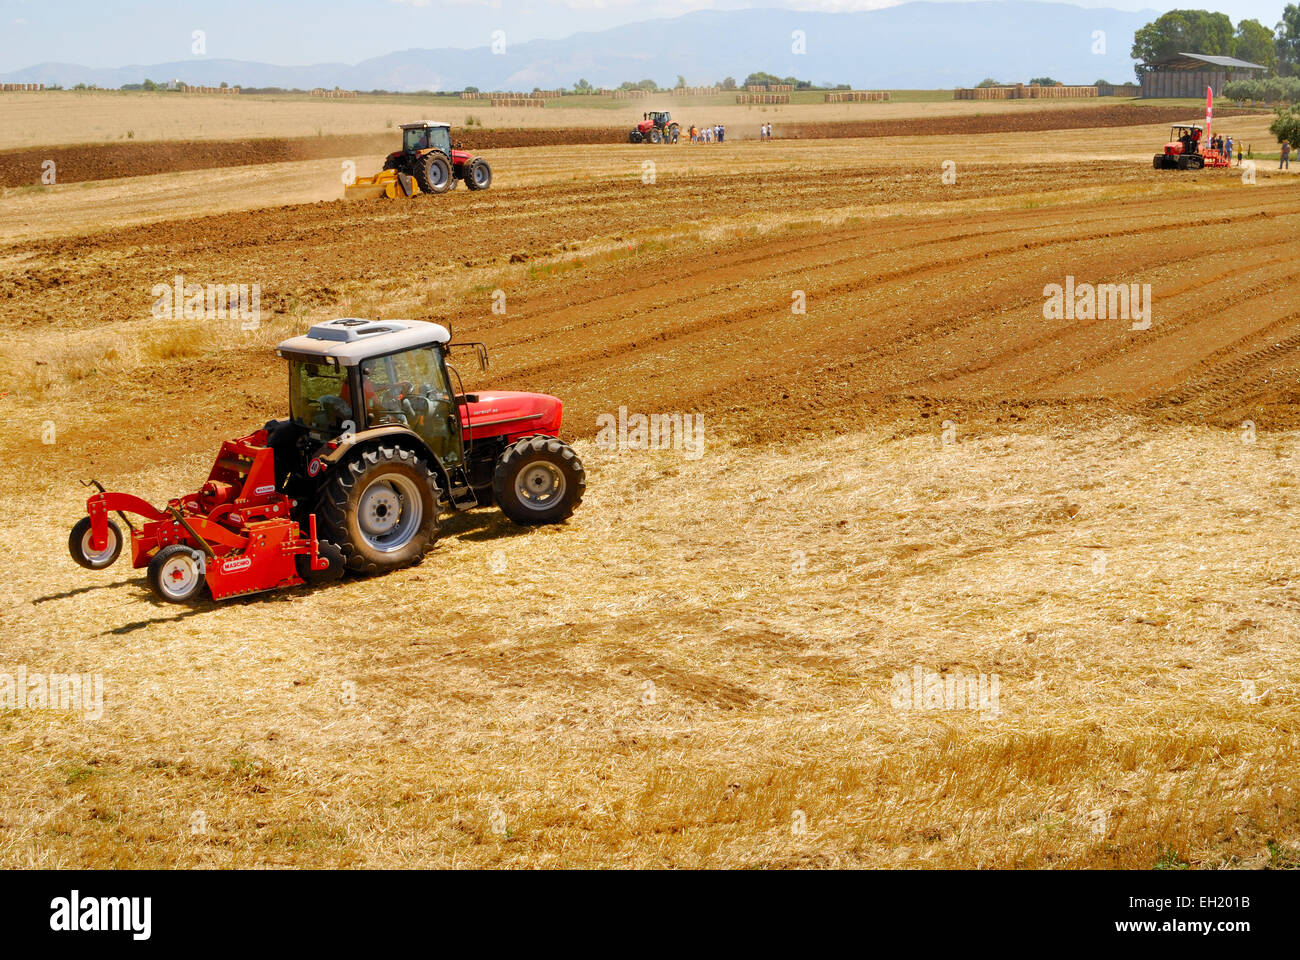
(375, 448)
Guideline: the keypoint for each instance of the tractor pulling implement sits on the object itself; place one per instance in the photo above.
(376, 444)
(427, 163)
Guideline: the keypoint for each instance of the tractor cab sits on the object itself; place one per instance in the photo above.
(418, 137)
(660, 118)
(1184, 139)
(350, 376)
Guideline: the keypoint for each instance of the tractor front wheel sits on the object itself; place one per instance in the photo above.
(176, 573)
(381, 509)
(478, 175)
(86, 555)
(433, 173)
(538, 480)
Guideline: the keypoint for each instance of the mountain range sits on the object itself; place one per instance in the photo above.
(913, 45)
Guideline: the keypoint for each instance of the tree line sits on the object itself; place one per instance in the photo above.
(1213, 34)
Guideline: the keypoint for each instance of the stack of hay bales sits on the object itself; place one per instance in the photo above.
(858, 96)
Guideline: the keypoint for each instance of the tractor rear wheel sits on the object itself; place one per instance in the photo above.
(478, 175)
(656, 136)
(176, 573)
(86, 555)
(538, 480)
(433, 173)
(381, 509)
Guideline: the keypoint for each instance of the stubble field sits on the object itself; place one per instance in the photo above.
(711, 664)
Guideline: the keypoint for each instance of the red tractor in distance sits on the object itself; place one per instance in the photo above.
(656, 126)
(1183, 151)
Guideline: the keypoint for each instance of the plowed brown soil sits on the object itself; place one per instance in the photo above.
(111, 160)
(918, 472)
(108, 161)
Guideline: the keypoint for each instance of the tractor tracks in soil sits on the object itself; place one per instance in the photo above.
(919, 298)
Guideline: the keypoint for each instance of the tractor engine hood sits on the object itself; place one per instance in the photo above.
(461, 156)
(495, 413)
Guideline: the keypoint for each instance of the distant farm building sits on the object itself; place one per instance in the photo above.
(1188, 74)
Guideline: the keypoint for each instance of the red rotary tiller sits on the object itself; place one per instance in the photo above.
(236, 534)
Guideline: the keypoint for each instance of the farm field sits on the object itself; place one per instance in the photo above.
(41, 119)
(919, 474)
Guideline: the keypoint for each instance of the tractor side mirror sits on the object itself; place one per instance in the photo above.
(480, 350)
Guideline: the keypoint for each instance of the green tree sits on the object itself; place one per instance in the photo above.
(1044, 81)
(728, 83)
(1286, 125)
(1183, 31)
(681, 82)
(988, 82)
(1288, 41)
(1255, 43)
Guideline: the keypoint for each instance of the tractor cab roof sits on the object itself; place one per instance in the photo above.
(425, 124)
(349, 340)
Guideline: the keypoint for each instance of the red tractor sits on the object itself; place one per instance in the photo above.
(375, 447)
(1183, 151)
(656, 126)
(427, 163)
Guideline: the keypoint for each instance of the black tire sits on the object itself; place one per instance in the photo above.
(635, 137)
(175, 573)
(381, 509)
(656, 136)
(1158, 162)
(336, 569)
(433, 173)
(538, 480)
(478, 175)
(84, 554)
(391, 164)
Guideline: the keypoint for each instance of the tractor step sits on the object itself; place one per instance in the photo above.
(463, 497)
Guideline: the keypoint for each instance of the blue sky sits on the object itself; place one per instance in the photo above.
(105, 33)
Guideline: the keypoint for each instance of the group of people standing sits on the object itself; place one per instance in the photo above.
(718, 133)
(714, 134)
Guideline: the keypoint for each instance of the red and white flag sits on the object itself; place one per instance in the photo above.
(1209, 111)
